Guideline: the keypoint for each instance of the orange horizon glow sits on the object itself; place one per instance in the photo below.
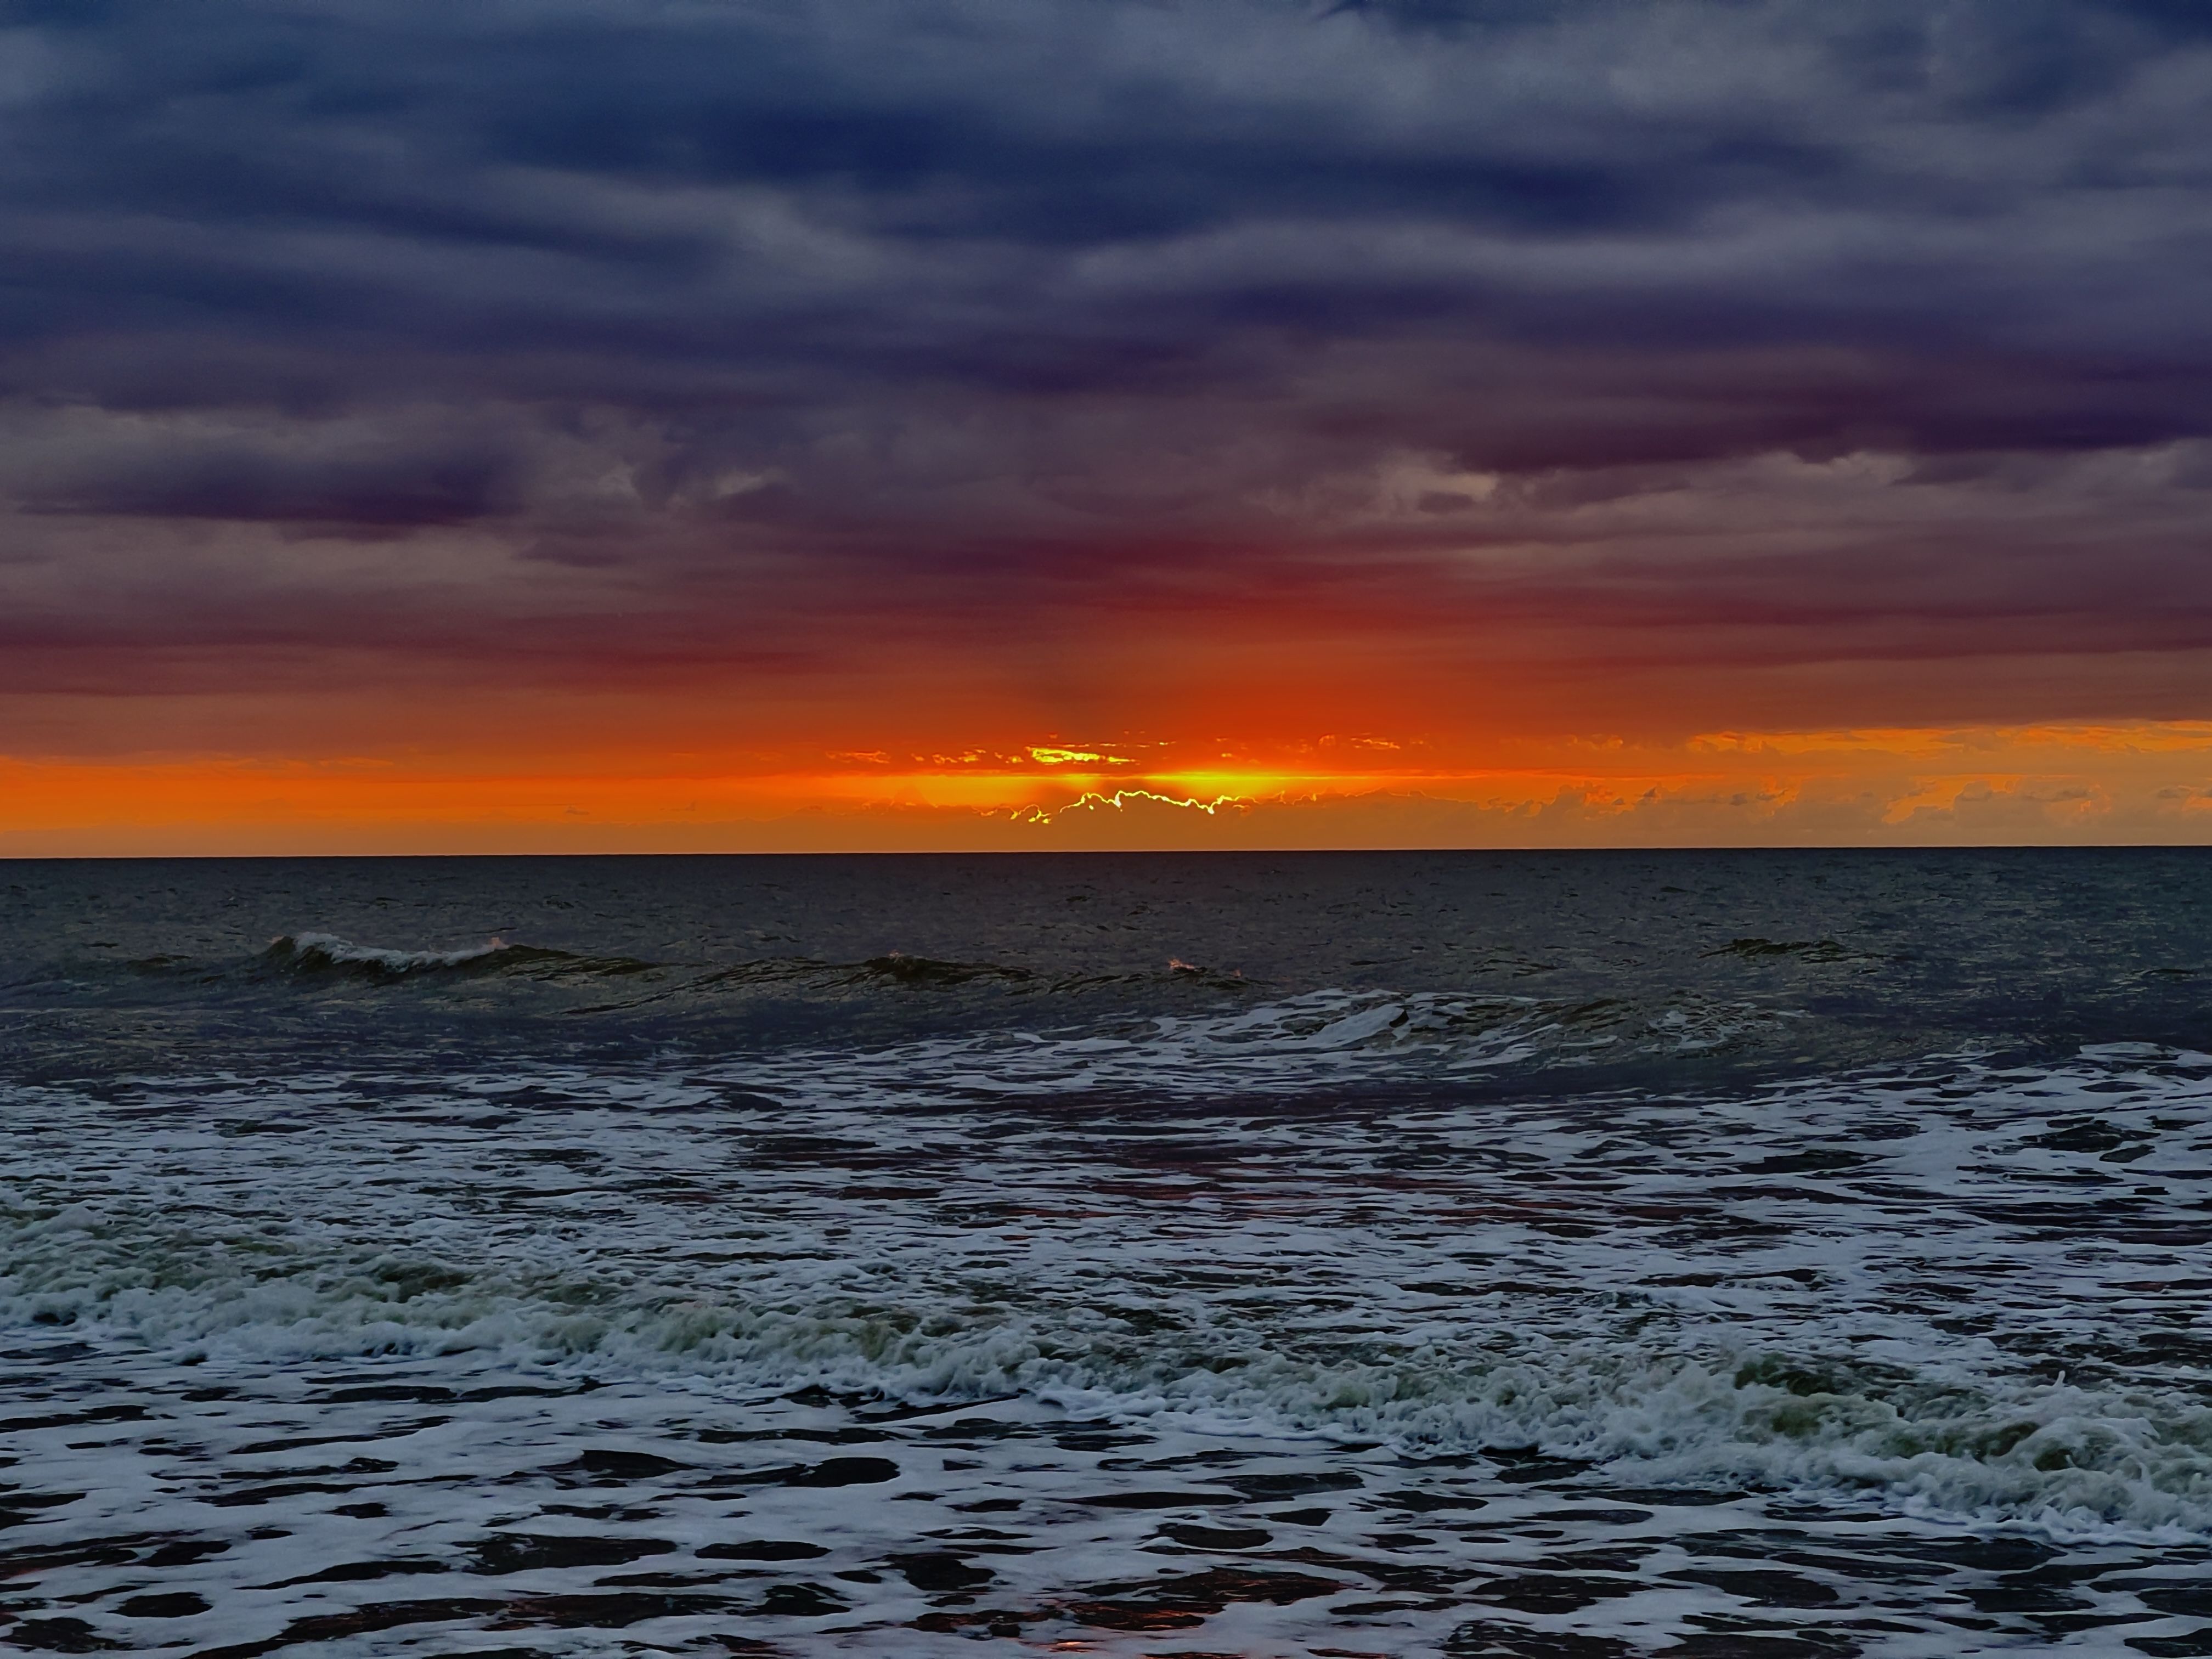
(2132, 783)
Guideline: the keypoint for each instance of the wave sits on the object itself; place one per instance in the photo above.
(1312, 1041)
(897, 967)
(2072, 1461)
(901, 968)
(1183, 1026)
(1858, 1284)
(318, 952)
(314, 952)
(311, 954)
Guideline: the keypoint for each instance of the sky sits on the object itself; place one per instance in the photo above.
(686, 425)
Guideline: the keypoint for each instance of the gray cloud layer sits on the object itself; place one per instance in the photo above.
(1841, 332)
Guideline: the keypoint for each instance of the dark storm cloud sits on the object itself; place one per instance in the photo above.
(1032, 290)
(381, 492)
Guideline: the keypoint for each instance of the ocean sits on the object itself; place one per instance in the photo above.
(1561, 1255)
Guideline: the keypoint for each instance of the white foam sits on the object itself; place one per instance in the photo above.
(330, 948)
(1450, 1276)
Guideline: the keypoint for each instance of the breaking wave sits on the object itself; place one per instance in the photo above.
(2068, 1460)
(1643, 1286)
(311, 953)
(326, 955)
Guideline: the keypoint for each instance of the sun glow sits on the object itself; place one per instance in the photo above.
(1091, 800)
(2147, 781)
(1047, 756)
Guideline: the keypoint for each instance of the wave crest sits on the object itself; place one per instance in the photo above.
(311, 954)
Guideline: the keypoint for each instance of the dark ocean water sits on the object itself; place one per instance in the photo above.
(1571, 1256)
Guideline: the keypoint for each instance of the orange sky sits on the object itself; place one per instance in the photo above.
(1190, 702)
(2141, 782)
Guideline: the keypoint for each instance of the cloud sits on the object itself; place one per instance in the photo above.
(1677, 353)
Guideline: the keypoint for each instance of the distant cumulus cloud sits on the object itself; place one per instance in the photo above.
(1671, 335)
